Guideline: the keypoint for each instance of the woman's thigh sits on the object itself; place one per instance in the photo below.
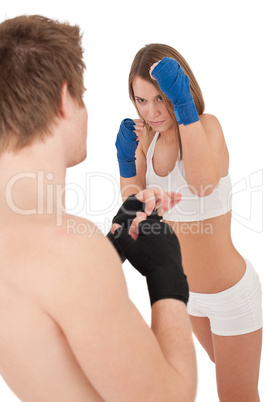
(202, 331)
(237, 360)
(228, 325)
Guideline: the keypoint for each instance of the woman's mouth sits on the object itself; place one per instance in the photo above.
(156, 123)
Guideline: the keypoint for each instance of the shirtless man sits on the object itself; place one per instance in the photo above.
(68, 329)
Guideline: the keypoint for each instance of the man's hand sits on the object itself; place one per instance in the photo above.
(157, 199)
(150, 200)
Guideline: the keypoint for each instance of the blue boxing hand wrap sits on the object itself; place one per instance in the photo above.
(176, 86)
(126, 144)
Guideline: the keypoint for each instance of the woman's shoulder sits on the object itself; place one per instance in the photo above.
(212, 126)
(215, 136)
(207, 118)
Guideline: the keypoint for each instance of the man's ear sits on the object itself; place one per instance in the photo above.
(63, 109)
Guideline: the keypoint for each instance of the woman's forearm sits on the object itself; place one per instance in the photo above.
(201, 168)
(129, 186)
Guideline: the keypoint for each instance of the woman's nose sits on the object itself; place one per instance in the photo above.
(153, 111)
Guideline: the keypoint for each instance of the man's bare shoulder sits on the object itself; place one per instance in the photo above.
(45, 256)
(79, 230)
(79, 235)
(61, 237)
(79, 242)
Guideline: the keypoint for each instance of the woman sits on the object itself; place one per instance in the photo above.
(182, 149)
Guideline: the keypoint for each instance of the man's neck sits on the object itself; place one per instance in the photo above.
(32, 180)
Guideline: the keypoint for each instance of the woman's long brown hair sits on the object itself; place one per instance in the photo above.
(141, 65)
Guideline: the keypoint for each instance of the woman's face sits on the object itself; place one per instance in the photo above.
(151, 106)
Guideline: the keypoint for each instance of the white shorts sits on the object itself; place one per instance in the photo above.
(235, 311)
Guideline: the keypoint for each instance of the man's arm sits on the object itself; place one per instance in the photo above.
(120, 355)
(171, 326)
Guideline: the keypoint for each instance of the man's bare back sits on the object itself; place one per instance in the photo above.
(66, 317)
(33, 347)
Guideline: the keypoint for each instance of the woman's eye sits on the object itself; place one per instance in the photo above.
(160, 99)
(140, 100)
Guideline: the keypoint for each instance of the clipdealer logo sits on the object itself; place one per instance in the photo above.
(100, 196)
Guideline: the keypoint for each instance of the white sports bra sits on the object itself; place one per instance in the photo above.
(191, 208)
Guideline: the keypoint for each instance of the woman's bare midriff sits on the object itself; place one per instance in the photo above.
(210, 260)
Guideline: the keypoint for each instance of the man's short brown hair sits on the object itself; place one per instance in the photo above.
(37, 56)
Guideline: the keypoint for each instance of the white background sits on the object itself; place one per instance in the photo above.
(225, 44)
